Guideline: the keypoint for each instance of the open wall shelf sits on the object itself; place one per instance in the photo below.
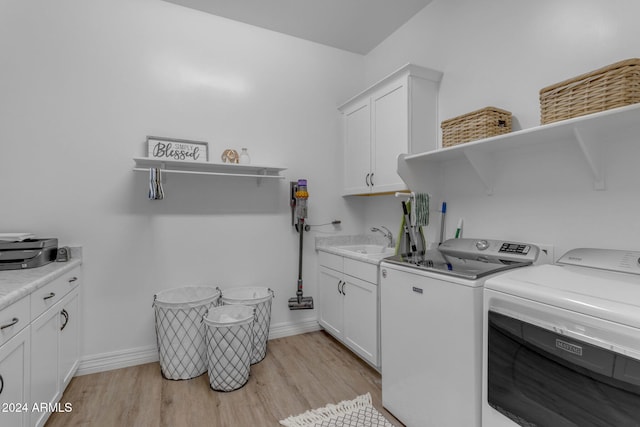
(592, 133)
(143, 164)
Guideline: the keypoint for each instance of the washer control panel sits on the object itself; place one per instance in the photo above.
(515, 248)
(487, 250)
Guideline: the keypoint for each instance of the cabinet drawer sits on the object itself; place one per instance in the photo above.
(13, 318)
(361, 270)
(47, 296)
(331, 261)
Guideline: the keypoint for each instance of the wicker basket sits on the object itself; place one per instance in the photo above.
(609, 87)
(484, 123)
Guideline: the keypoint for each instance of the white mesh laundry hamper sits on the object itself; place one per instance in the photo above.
(260, 298)
(180, 332)
(229, 331)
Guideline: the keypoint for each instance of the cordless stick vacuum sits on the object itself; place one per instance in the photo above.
(299, 205)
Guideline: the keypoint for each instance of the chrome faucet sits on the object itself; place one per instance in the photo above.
(385, 231)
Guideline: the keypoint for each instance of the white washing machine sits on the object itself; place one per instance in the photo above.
(563, 343)
(431, 329)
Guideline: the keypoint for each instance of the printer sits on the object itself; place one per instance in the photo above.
(27, 253)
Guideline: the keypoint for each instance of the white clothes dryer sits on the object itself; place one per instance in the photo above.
(562, 343)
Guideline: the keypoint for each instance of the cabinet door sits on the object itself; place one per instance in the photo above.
(44, 362)
(360, 318)
(14, 380)
(69, 337)
(331, 302)
(390, 137)
(357, 148)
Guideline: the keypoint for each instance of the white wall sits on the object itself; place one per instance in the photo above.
(501, 53)
(83, 83)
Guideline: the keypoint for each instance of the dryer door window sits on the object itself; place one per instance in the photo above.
(539, 378)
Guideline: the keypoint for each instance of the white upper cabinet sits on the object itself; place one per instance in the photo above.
(390, 134)
(396, 115)
(357, 147)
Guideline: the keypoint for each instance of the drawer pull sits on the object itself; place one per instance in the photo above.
(417, 290)
(51, 295)
(1, 384)
(64, 313)
(10, 324)
(73, 279)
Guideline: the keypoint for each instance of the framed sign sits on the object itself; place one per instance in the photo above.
(177, 149)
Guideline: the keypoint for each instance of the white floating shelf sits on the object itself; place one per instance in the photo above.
(587, 131)
(143, 164)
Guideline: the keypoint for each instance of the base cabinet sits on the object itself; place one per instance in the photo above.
(331, 301)
(54, 346)
(348, 305)
(361, 317)
(14, 380)
(69, 337)
(39, 349)
(44, 364)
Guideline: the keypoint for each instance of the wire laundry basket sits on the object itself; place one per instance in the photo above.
(179, 329)
(229, 332)
(260, 298)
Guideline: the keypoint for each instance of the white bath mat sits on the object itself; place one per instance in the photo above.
(358, 412)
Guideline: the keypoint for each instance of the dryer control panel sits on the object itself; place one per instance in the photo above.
(604, 259)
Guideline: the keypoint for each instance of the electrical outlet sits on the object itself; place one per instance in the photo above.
(546, 255)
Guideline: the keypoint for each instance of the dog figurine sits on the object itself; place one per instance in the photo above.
(230, 156)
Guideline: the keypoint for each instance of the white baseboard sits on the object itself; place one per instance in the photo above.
(286, 329)
(141, 355)
(117, 359)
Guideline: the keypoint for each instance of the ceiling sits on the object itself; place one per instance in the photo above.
(353, 25)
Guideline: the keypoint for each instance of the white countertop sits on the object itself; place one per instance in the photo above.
(16, 284)
(332, 245)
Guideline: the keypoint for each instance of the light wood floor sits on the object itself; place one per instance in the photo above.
(300, 372)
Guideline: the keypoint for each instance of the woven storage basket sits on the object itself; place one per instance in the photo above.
(615, 85)
(483, 123)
